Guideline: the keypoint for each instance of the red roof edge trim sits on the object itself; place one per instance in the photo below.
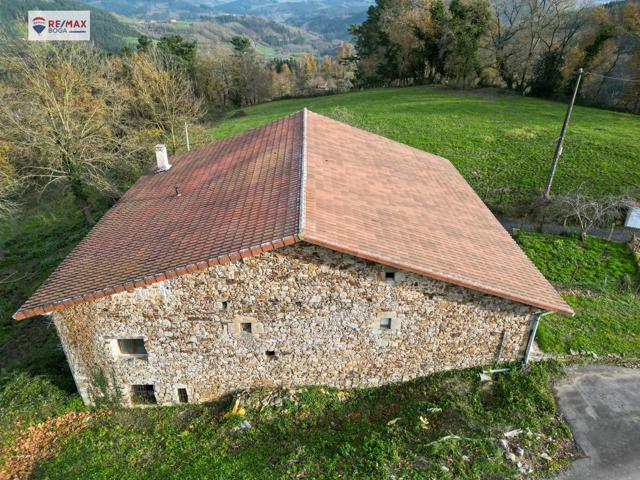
(443, 278)
(132, 284)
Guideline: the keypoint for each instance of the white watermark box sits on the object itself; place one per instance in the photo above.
(53, 25)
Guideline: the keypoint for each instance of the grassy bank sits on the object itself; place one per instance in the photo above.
(501, 143)
(443, 426)
(30, 250)
(601, 282)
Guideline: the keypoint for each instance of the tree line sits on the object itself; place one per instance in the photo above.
(528, 46)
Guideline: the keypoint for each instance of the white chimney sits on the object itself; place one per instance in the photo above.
(162, 158)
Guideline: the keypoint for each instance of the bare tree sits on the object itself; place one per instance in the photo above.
(8, 188)
(163, 94)
(62, 117)
(524, 29)
(589, 212)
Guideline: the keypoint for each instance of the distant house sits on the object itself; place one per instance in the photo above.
(305, 251)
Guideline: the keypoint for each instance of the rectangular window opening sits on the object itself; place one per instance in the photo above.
(143, 395)
(385, 323)
(225, 305)
(270, 353)
(245, 327)
(132, 346)
(183, 396)
(390, 276)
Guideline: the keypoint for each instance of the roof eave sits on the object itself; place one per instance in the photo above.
(132, 284)
(548, 307)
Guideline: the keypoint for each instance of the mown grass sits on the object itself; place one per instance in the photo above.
(325, 433)
(593, 264)
(601, 282)
(501, 143)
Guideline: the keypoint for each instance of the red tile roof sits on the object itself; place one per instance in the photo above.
(384, 201)
(362, 194)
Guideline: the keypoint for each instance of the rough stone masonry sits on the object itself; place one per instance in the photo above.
(298, 315)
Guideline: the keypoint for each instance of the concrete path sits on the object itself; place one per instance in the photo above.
(602, 405)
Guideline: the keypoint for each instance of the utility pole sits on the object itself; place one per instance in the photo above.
(558, 152)
(186, 134)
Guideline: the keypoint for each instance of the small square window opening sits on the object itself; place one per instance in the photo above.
(385, 323)
(143, 395)
(132, 346)
(183, 396)
(390, 276)
(270, 353)
(245, 327)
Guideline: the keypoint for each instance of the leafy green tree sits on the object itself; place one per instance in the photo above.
(547, 74)
(180, 50)
(144, 43)
(241, 44)
(469, 21)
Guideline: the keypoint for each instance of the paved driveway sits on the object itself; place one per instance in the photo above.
(602, 405)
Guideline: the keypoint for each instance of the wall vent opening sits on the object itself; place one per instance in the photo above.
(143, 395)
(132, 346)
(245, 327)
(385, 323)
(183, 396)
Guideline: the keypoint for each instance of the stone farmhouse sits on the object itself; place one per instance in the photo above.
(305, 251)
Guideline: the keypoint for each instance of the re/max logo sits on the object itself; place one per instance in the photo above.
(59, 25)
(67, 24)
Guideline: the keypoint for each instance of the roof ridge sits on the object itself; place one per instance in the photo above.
(303, 172)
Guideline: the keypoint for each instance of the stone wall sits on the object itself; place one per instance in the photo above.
(316, 312)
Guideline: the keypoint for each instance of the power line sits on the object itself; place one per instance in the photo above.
(630, 80)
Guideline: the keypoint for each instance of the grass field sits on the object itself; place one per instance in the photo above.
(501, 143)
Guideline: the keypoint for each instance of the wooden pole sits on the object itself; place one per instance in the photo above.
(558, 152)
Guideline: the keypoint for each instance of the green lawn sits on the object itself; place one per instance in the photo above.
(601, 282)
(501, 143)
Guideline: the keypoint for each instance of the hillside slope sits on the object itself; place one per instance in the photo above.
(270, 37)
(106, 31)
(501, 143)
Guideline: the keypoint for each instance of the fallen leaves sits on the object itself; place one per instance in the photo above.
(39, 442)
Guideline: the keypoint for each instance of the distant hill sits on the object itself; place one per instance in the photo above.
(106, 30)
(292, 9)
(158, 10)
(271, 38)
(328, 18)
(330, 27)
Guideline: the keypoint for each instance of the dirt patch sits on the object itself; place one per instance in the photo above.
(39, 442)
